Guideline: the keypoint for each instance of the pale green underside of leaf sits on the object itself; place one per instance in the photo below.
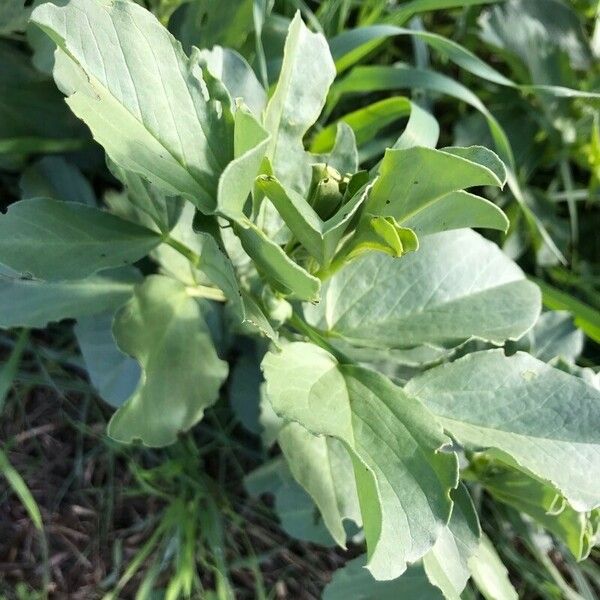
(250, 146)
(542, 502)
(354, 582)
(237, 76)
(130, 81)
(489, 573)
(555, 335)
(324, 469)
(114, 374)
(158, 210)
(54, 177)
(165, 330)
(457, 286)
(275, 265)
(402, 478)
(56, 240)
(446, 564)
(217, 266)
(297, 513)
(27, 303)
(526, 412)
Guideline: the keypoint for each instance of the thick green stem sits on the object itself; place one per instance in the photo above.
(315, 336)
(184, 250)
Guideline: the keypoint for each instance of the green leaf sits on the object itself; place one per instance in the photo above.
(540, 501)
(526, 412)
(30, 303)
(446, 564)
(322, 466)
(33, 115)
(10, 367)
(205, 23)
(348, 47)
(381, 234)
(402, 476)
(297, 513)
(585, 317)
(520, 25)
(165, 330)
(355, 582)
(237, 180)
(54, 177)
(366, 122)
(343, 156)
(127, 77)
(113, 374)
(429, 204)
(217, 266)
(57, 240)
(237, 76)
(555, 335)
(158, 211)
(422, 129)
(490, 574)
(19, 487)
(319, 237)
(457, 286)
(13, 16)
(244, 385)
(275, 265)
(382, 78)
(306, 74)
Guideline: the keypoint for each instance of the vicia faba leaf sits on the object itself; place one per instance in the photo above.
(217, 266)
(489, 573)
(429, 204)
(403, 476)
(159, 211)
(54, 177)
(457, 286)
(275, 265)
(129, 80)
(354, 581)
(114, 374)
(306, 74)
(55, 240)
(323, 467)
(33, 303)
(555, 335)
(380, 234)
(237, 76)
(250, 146)
(524, 412)
(295, 509)
(319, 237)
(446, 564)
(538, 500)
(165, 330)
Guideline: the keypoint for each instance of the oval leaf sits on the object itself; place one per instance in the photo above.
(457, 286)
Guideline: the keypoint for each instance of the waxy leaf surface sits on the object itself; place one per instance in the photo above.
(56, 240)
(526, 412)
(402, 476)
(165, 330)
(128, 78)
(457, 286)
